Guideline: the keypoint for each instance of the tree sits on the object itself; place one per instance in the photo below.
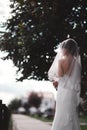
(14, 105)
(27, 40)
(36, 28)
(34, 100)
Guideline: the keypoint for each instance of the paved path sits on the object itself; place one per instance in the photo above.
(22, 122)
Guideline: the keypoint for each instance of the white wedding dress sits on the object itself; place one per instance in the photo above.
(67, 100)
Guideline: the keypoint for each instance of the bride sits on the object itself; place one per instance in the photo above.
(65, 73)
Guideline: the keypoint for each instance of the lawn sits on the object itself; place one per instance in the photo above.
(83, 120)
(83, 127)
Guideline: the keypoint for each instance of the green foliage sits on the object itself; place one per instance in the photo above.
(27, 40)
(14, 105)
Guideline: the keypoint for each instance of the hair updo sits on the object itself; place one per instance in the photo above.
(71, 46)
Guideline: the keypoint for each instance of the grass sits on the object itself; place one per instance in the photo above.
(83, 127)
(83, 119)
(43, 118)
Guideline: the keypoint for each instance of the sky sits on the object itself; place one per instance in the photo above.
(9, 88)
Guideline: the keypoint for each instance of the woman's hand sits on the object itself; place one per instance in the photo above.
(55, 84)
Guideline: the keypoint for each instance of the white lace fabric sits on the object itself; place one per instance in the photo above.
(68, 95)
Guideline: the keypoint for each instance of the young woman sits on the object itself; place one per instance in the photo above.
(65, 73)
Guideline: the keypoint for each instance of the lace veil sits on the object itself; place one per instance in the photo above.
(52, 73)
(75, 75)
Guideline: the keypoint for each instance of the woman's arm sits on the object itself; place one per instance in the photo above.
(55, 84)
(59, 73)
